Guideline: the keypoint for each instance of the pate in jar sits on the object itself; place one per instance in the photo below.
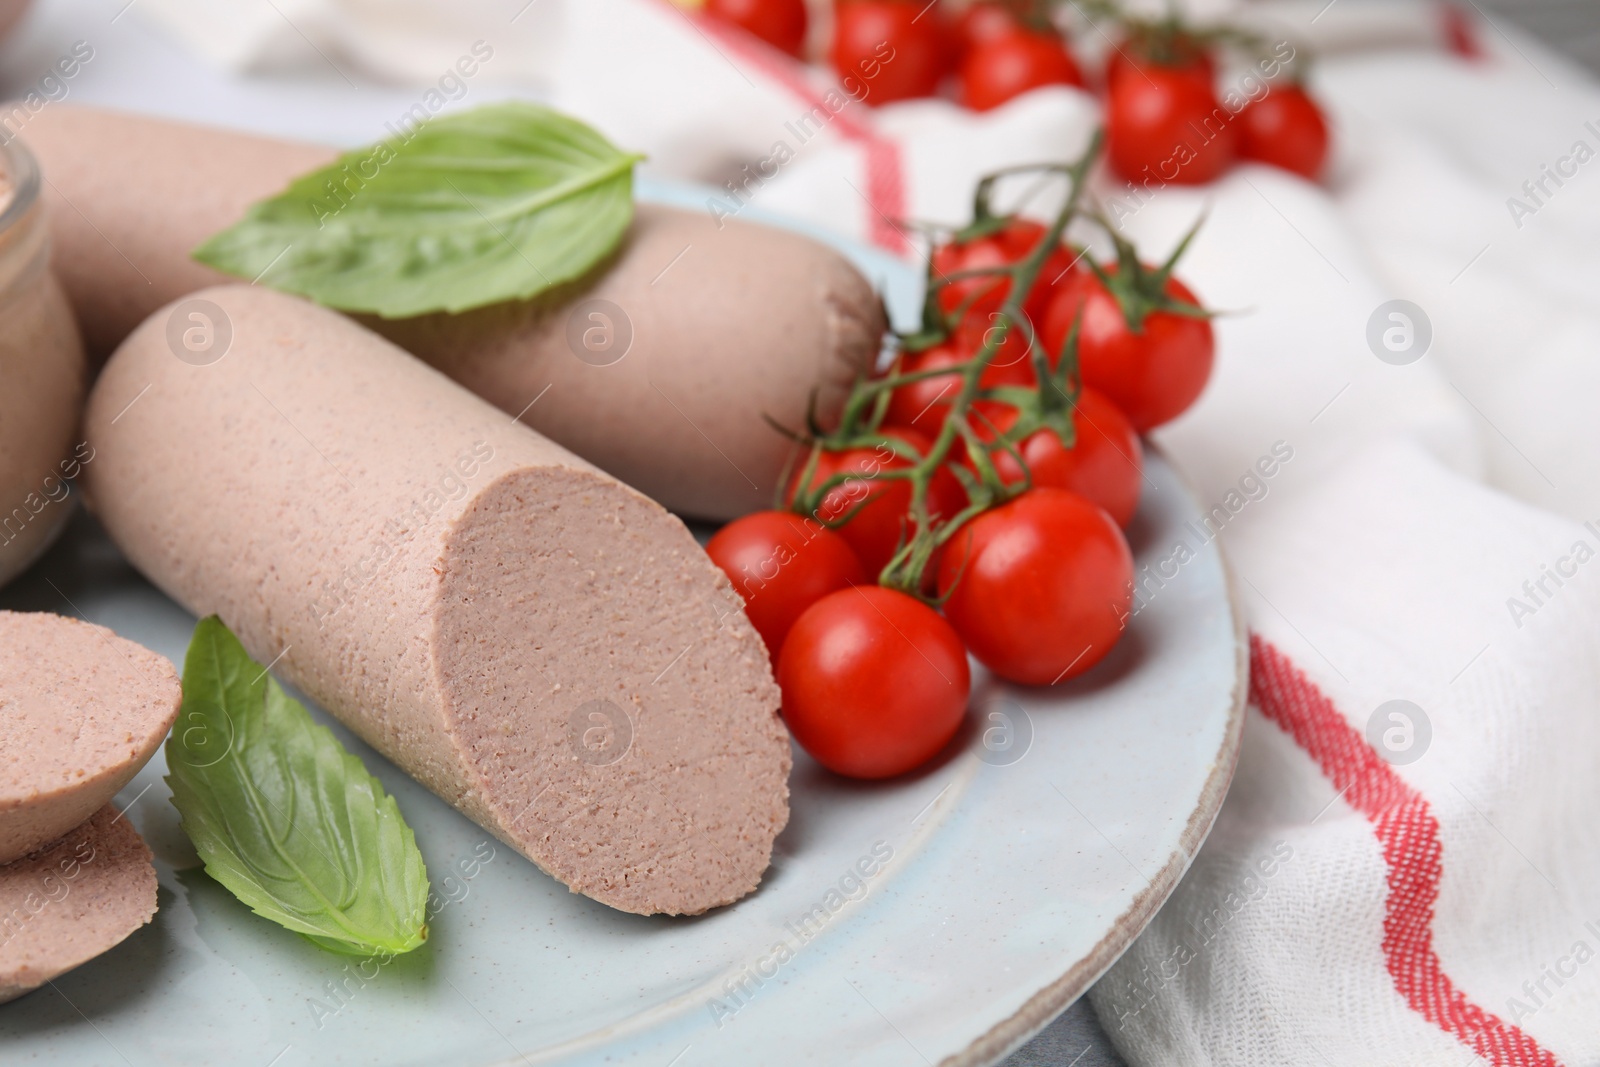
(43, 375)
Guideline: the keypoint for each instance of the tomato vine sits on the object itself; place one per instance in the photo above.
(1047, 406)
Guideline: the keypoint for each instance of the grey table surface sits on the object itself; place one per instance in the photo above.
(1075, 1039)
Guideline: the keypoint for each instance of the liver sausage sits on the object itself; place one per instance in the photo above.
(542, 646)
(702, 329)
(72, 900)
(81, 711)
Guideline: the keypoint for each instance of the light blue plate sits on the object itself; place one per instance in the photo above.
(942, 918)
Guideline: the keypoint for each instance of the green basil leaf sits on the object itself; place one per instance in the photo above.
(498, 203)
(283, 816)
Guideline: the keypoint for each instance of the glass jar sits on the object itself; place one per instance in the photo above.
(43, 375)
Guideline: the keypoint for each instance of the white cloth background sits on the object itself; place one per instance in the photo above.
(1381, 560)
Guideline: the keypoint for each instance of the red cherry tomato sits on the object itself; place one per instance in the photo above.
(877, 526)
(887, 49)
(1008, 65)
(781, 564)
(1286, 129)
(977, 23)
(1105, 464)
(1005, 246)
(1013, 353)
(874, 682)
(1168, 120)
(780, 23)
(924, 404)
(1152, 374)
(1039, 588)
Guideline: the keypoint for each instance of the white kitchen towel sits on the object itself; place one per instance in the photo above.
(1414, 883)
(1405, 871)
(710, 103)
(1389, 883)
(1478, 195)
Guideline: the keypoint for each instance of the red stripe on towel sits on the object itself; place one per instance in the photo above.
(1409, 835)
(885, 190)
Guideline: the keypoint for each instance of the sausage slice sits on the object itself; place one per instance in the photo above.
(81, 711)
(68, 902)
(545, 648)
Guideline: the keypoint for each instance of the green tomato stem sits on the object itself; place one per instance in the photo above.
(867, 403)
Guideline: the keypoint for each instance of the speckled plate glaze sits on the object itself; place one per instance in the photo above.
(940, 918)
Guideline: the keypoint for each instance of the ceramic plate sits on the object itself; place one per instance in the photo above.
(941, 918)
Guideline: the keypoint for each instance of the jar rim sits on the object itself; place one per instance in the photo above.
(23, 171)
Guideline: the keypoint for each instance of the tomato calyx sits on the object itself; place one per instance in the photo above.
(1048, 407)
(1172, 43)
(985, 220)
(1139, 290)
(938, 318)
(1028, 15)
(1168, 44)
(1169, 40)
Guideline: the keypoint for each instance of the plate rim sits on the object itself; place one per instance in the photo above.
(1041, 1009)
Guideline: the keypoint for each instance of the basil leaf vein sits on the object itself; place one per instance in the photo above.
(477, 207)
(283, 816)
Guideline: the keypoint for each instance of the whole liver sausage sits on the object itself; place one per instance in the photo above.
(542, 646)
(130, 198)
(81, 711)
(72, 900)
(701, 330)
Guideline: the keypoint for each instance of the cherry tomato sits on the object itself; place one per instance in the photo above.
(1039, 588)
(924, 404)
(781, 564)
(1008, 65)
(1013, 353)
(1005, 246)
(1105, 464)
(1286, 129)
(892, 49)
(780, 23)
(1152, 374)
(874, 682)
(1168, 120)
(876, 528)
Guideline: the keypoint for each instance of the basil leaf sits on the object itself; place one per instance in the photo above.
(498, 203)
(283, 816)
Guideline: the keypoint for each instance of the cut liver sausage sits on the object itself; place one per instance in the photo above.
(729, 321)
(81, 710)
(69, 902)
(542, 646)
